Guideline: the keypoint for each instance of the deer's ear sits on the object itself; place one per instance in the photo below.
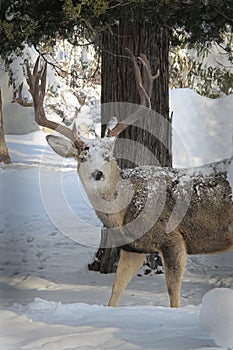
(62, 146)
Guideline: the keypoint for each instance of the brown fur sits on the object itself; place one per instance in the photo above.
(207, 227)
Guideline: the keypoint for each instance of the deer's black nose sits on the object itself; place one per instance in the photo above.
(97, 175)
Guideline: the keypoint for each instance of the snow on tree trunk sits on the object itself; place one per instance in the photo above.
(4, 155)
(119, 85)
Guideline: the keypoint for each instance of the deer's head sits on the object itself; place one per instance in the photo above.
(97, 166)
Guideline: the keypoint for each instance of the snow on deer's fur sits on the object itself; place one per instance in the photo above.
(136, 205)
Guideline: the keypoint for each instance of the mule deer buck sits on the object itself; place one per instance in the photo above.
(136, 205)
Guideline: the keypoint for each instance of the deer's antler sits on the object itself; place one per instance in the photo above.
(37, 84)
(144, 84)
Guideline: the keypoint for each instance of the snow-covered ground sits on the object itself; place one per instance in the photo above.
(48, 298)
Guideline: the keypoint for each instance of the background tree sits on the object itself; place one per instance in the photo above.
(4, 155)
(207, 70)
(140, 25)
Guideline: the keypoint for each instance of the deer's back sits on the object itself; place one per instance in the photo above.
(204, 213)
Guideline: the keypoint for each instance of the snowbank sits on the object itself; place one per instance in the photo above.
(217, 316)
(48, 298)
(204, 125)
(81, 326)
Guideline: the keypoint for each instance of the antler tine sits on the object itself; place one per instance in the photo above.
(144, 87)
(148, 77)
(31, 76)
(35, 69)
(37, 84)
(38, 92)
(138, 77)
(43, 80)
(116, 130)
(146, 64)
(129, 120)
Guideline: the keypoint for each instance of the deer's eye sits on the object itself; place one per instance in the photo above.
(82, 159)
(84, 155)
(97, 175)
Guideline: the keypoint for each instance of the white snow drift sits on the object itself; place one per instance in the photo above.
(49, 300)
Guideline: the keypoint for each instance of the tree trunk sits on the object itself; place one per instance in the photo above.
(4, 155)
(119, 85)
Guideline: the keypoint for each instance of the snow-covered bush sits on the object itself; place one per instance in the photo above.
(66, 92)
(216, 316)
(206, 69)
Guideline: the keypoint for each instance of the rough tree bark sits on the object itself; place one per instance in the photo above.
(4, 155)
(119, 85)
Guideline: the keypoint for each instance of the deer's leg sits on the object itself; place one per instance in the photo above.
(174, 261)
(128, 266)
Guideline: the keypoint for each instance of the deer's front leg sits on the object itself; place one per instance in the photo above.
(128, 266)
(174, 261)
